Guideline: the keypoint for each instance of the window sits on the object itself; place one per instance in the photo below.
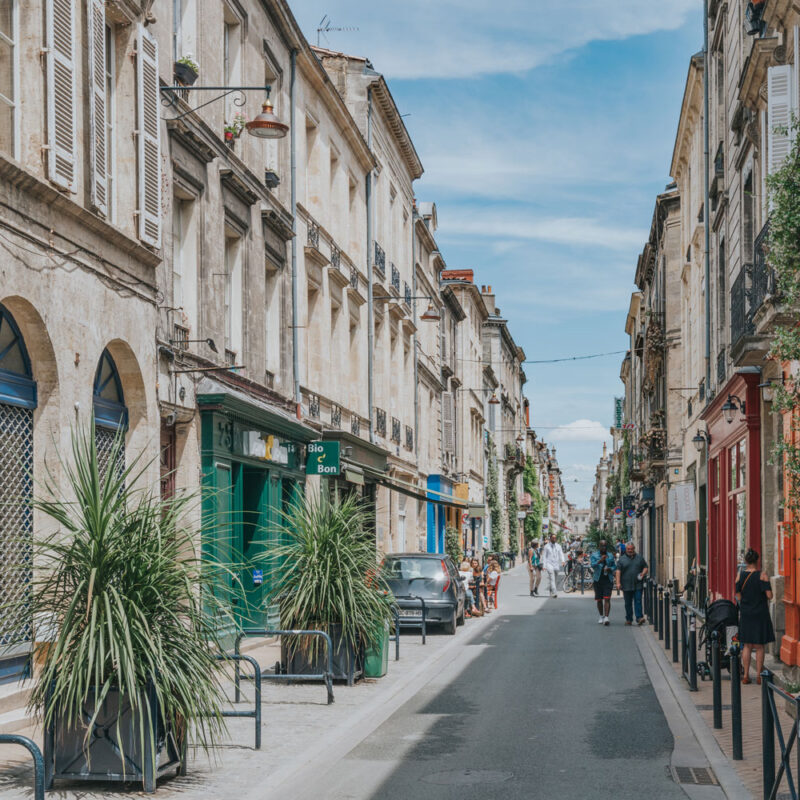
(184, 29)
(232, 58)
(61, 112)
(148, 139)
(184, 259)
(748, 219)
(110, 415)
(9, 77)
(233, 294)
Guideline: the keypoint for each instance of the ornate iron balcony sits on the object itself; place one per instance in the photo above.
(353, 278)
(407, 293)
(763, 275)
(380, 422)
(721, 368)
(395, 430)
(409, 438)
(313, 406)
(355, 425)
(336, 416)
(395, 278)
(336, 258)
(741, 319)
(380, 260)
(313, 234)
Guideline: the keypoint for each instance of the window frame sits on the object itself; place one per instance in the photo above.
(13, 102)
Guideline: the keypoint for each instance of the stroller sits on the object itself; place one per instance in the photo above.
(720, 616)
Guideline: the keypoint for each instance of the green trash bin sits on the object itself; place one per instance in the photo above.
(376, 659)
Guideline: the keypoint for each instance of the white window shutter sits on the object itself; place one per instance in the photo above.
(98, 105)
(779, 115)
(61, 112)
(448, 423)
(148, 138)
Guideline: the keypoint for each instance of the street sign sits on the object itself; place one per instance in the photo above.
(617, 512)
(465, 517)
(258, 577)
(631, 513)
(323, 458)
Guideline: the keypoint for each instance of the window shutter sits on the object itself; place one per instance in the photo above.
(148, 139)
(779, 114)
(61, 134)
(448, 423)
(98, 105)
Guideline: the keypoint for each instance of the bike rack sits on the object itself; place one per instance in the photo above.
(256, 712)
(38, 760)
(396, 636)
(411, 622)
(689, 616)
(326, 677)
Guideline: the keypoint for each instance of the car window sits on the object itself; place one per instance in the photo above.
(410, 568)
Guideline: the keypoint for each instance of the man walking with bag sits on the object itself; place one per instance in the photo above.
(631, 570)
(603, 565)
(552, 561)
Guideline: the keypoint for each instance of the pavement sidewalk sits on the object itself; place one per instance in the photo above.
(299, 729)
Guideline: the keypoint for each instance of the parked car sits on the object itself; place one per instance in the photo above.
(432, 577)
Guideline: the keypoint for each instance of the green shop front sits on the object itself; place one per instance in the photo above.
(253, 463)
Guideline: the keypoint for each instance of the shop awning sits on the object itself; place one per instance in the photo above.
(426, 495)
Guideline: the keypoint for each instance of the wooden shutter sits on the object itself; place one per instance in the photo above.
(148, 139)
(98, 105)
(779, 114)
(61, 134)
(448, 423)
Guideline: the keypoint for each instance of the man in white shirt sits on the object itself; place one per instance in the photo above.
(552, 561)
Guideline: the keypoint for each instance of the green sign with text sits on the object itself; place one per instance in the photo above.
(323, 458)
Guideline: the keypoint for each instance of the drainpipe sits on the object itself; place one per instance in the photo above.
(706, 199)
(298, 400)
(414, 319)
(370, 303)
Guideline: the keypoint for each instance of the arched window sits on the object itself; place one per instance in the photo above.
(17, 401)
(110, 414)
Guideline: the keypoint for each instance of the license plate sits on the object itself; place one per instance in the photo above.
(410, 612)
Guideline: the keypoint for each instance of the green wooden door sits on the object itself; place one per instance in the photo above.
(254, 545)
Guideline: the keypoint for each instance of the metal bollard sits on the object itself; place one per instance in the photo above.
(675, 658)
(767, 735)
(660, 613)
(667, 626)
(692, 652)
(583, 573)
(736, 704)
(716, 677)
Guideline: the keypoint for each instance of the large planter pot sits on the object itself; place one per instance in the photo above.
(113, 749)
(184, 73)
(348, 662)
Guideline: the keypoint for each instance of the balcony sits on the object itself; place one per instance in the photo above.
(355, 425)
(409, 438)
(336, 417)
(407, 294)
(395, 279)
(380, 422)
(767, 312)
(354, 281)
(380, 261)
(721, 368)
(396, 427)
(313, 406)
(313, 235)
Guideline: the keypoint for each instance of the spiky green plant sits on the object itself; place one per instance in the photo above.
(327, 570)
(120, 589)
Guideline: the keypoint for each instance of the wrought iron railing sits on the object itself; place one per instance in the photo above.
(355, 425)
(701, 391)
(719, 161)
(336, 258)
(380, 260)
(741, 321)
(336, 416)
(407, 293)
(180, 336)
(313, 234)
(763, 275)
(409, 438)
(353, 278)
(395, 279)
(396, 430)
(313, 406)
(721, 367)
(380, 422)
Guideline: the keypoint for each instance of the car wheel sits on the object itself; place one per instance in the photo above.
(460, 620)
(449, 627)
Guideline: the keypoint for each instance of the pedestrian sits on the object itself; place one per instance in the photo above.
(477, 585)
(552, 561)
(465, 573)
(620, 547)
(753, 593)
(631, 571)
(603, 566)
(534, 568)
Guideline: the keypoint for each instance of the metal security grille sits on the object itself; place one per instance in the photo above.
(104, 441)
(16, 524)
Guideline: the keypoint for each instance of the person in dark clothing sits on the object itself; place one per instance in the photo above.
(753, 594)
(631, 570)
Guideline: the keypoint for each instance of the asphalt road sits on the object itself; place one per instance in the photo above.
(545, 704)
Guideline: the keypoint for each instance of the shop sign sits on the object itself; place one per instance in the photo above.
(258, 577)
(267, 447)
(323, 458)
(618, 406)
(681, 503)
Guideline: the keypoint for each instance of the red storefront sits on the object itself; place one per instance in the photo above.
(734, 479)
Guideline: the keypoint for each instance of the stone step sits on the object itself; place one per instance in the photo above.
(14, 696)
(16, 721)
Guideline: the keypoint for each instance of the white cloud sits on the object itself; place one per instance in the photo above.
(470, 38)
(581, 430)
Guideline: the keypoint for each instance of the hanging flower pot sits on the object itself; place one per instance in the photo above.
(186, 70)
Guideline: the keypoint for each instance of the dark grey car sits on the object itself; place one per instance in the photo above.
(434, 578)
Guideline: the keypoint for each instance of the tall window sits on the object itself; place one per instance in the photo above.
(748, 219)
(111, 154)
(184, 260)
(9, 77)
(110, 414)
(17, 401)
(233, 296)
(231, 58)
(184, 29)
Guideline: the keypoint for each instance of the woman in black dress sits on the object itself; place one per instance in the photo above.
(755, 626)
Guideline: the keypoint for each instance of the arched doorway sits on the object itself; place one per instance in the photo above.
(110, 413)
(17, 402)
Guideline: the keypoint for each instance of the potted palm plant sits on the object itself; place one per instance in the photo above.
(129, 668)
(327, 578)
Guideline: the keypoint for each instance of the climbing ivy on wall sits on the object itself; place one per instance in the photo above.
(493, 497)
(513, 522)
(530, 482)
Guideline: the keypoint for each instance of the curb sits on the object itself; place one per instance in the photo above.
(688, 727)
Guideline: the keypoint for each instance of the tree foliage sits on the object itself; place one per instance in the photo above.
(530, 482)
(493, 497)
(452, 544)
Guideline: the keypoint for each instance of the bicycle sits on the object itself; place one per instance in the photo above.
(572, 581)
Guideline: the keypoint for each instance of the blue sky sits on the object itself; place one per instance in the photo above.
(546, 130)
